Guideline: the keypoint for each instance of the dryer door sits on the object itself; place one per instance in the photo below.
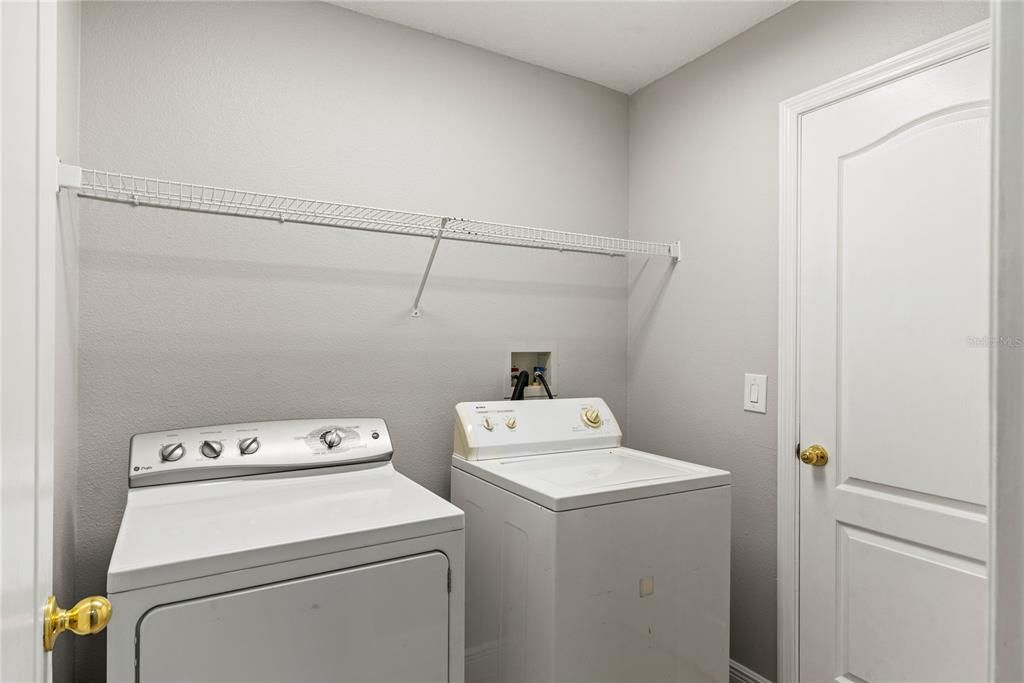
(385, 622)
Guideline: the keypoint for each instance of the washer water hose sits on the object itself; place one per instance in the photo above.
(521, 381)
(540, 376)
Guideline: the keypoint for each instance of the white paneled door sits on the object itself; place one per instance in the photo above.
(894, 267)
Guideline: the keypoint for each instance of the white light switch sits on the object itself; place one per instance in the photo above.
(755, 396)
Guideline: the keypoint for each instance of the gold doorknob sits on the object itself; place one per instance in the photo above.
(89, 616)
(814, 455)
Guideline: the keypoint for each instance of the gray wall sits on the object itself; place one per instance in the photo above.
(66, 336)
(703, 168)
(189, 319)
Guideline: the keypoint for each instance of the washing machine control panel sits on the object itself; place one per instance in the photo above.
(500, 429)
(235, 450)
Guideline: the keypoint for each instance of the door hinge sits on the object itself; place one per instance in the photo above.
(449, 580)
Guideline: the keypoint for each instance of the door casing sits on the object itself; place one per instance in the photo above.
(28, 247)
(964, 42)
(1006, 597)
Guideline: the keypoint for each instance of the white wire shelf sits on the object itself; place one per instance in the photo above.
(170, 194)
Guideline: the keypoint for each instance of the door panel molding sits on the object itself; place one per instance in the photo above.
(954, 46)
(869, 410)
(915, 571)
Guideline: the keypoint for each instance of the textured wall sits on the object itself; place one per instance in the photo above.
(704, 168)
(189, 319)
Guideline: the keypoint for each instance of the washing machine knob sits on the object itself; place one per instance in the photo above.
(592, 418)
(249, 445)
(331, 438)
(511, 422)
(172, 452)
(211, 449)
(488, 424)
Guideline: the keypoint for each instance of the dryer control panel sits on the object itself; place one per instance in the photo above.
(500, 429)
(235, 450)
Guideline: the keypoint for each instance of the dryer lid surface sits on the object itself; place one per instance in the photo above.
(185, 531)
(577, 479)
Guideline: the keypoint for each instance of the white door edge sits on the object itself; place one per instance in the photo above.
(46, 310)
(1006, 597)
(955, 45)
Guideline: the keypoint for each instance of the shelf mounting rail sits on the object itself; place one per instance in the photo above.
(181, 196)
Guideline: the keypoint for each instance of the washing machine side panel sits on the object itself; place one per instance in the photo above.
(642, 590)
(510, 546)
(131, 607)
(380, 623)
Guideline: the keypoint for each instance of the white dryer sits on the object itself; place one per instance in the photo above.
(587, 561)
(283, 551)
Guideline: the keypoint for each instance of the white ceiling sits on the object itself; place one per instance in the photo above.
(621, 44)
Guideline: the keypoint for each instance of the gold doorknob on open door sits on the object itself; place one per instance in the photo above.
(89, 616)
(814, 455)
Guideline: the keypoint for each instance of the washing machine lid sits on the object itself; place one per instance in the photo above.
(185, 531)
(577, 479)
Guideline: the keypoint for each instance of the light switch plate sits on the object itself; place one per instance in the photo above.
(755, 393)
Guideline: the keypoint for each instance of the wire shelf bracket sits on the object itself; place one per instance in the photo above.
(426, 271)
(181, 196)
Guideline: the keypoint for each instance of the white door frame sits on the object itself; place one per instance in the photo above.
(1006, 597)
(971, 39)
(28, 173)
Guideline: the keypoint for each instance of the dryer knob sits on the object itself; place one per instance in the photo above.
(211, 449)
(331, 438)
(172, 452)
(248, 445)
(511, 422)
(488, 424)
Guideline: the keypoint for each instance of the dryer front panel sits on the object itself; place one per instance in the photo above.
(385, 622)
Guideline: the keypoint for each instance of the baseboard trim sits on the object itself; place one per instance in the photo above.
(741, 674)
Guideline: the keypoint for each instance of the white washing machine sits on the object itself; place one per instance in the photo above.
(283, 551)
(587, 561)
